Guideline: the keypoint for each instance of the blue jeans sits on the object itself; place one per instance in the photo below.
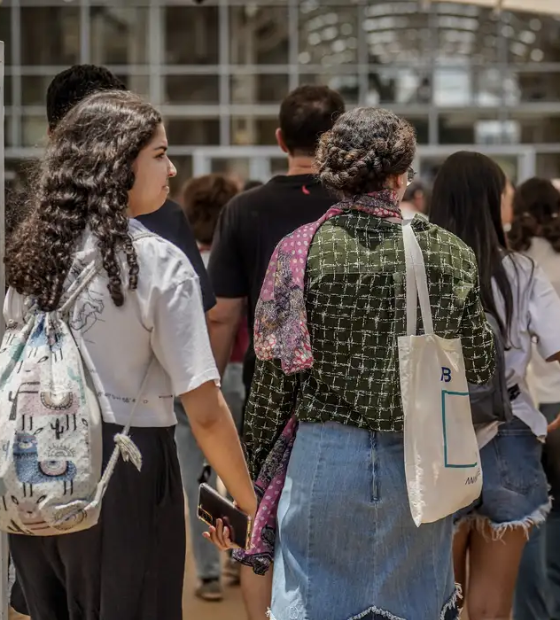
(192, 461)
(347, 547)
(537, 596)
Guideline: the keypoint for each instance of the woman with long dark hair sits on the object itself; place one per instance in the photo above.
(536, 232)
(141, 315)
(328, 322)
(469, 197)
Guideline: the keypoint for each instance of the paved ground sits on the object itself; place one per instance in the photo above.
(231, 608)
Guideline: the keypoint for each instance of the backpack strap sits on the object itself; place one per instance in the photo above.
(87, 275)
(124, 444)
(79, 285)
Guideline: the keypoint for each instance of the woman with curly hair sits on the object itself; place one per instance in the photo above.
(471, 199)
(106, 163)
(536, 232)
(330, 314)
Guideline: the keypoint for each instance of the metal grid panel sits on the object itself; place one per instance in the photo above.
(394, 83)
(533, 6)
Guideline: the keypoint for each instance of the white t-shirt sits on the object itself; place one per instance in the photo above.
(535, 319)
(545, 376)
(164, 318)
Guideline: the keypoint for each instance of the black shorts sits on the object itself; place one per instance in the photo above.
(128, 567)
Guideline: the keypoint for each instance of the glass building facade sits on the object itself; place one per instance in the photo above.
(464, 75)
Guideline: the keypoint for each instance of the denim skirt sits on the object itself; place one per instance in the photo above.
(347, 547)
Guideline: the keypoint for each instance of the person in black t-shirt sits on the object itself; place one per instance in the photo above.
(253, 222)
(249, 229)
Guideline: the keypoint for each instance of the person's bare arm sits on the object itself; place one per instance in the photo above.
(214, 430)
(223, 323)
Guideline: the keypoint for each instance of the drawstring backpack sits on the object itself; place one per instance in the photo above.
(51, 447)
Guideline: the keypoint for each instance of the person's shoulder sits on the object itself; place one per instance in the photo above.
(169, 208)
(14, 306)
(519, 260)
(443, 236)
(448, 246)
(245, 202)
(240, 217)
(169, 222)
(158, 257)
(522, 271)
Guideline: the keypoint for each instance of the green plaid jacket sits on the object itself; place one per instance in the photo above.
(356, 310)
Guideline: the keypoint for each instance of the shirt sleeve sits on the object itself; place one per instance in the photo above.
(270, 406)
(544, 314)
(477, 339)
(226, 268)
(180, 339)
(170, 223)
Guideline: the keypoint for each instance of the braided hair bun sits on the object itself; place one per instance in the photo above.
(363, 150)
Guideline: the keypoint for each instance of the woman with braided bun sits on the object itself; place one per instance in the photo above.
(327, 323)
(140, 327)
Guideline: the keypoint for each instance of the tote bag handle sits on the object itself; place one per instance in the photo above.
(416, 284)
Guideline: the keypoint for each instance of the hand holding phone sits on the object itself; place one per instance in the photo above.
(218, 512)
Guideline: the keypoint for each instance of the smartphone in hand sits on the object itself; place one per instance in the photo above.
(212, 506)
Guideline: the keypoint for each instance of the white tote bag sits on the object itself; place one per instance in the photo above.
(442, 459)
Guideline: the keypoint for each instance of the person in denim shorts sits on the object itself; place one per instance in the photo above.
(472, 198)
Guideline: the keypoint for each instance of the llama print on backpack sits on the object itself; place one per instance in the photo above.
(29, 512)
(33, 403)
(30, 470)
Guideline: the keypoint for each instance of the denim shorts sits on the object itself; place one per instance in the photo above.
(347, 547)
(514, 488)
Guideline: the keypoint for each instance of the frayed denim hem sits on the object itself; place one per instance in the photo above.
(450, 611)
(373, 613)
(536, 518)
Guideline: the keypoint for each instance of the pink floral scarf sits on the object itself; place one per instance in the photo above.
(281, 333)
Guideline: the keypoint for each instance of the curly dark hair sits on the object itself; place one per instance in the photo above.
(365, 147)
(82, 181)
(203, 198)
(536, 213)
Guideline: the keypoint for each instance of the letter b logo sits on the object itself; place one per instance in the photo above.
(445, 374)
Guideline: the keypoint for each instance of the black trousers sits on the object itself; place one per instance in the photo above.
(17, 599)
(128, 567)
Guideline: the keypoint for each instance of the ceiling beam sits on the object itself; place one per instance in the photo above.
(551, 7)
